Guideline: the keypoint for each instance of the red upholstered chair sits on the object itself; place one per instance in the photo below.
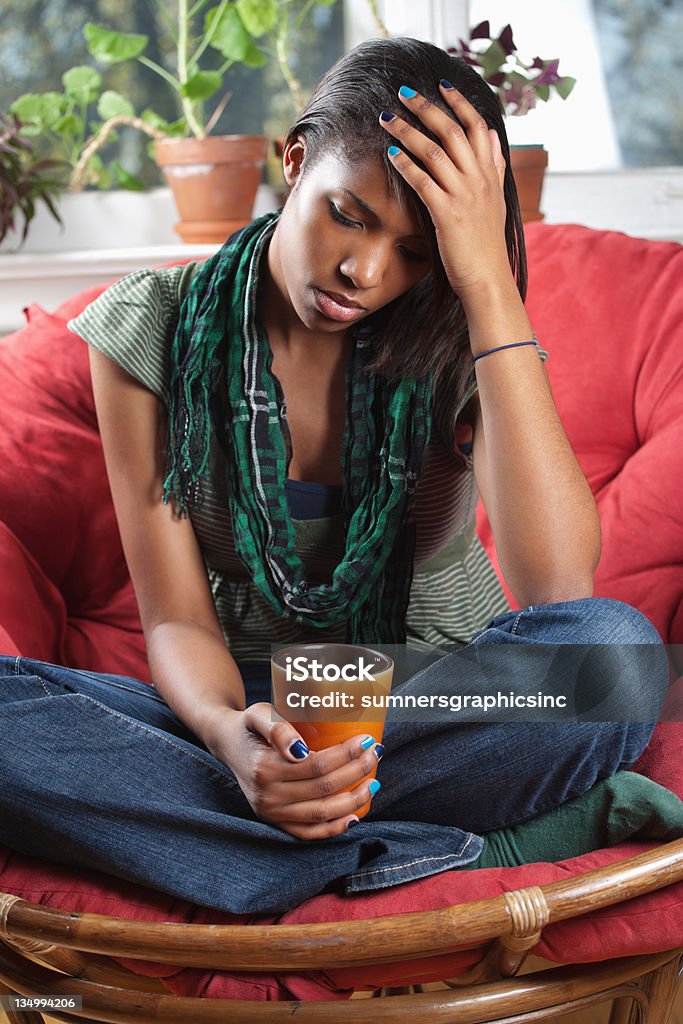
(609, 309)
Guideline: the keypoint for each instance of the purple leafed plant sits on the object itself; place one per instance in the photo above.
(23, 179)
(518, 84)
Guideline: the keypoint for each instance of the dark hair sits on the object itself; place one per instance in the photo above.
(342, 117)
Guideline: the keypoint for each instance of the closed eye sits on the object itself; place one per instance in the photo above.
(341, 219)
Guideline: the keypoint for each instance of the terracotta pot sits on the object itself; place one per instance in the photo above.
(214, 182)
(528, 168)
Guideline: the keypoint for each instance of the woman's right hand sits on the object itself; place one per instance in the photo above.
(299, 795)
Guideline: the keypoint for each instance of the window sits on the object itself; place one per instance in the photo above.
(625, 110)
(40, 39)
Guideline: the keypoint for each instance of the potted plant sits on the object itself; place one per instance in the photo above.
(24, 180)
(213, 178)
(519, 86)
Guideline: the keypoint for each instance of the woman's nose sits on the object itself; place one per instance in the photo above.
(365, 267)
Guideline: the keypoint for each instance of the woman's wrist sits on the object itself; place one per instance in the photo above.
(215, 726)
(496, 315)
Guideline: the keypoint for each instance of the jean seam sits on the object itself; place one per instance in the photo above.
(411, 863)
(515, 624)
(120, 686)
(18, 672)
(96, 678)
(159, 735)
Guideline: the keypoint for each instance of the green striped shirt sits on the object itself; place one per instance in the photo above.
(454, 590)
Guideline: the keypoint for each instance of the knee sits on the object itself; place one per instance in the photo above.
(615, 622)
(623, 673)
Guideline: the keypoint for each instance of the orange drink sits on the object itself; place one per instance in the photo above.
(331, 692)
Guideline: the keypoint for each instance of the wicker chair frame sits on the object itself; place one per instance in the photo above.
(47, 951)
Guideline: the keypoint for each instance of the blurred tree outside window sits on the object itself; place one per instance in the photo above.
(40, 39)
(643, 64)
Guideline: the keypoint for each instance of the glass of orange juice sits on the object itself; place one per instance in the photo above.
(331, 692)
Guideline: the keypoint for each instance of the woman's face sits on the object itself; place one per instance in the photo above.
(345, 247)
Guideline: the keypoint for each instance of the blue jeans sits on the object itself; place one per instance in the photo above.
(96, 771)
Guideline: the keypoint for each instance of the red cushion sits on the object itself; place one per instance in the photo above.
(647, 924)
(607, 308)
(68, 597)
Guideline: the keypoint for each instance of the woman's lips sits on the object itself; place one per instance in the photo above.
(334, 309)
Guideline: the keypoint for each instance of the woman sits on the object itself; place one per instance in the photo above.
(304, 379)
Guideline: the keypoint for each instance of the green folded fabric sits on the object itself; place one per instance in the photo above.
(625, 806)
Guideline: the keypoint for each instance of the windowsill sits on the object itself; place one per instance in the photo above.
(642, 201)
(49, 278)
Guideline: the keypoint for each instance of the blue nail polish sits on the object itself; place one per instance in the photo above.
(406, 92)
(375, 786)
(393, 150)
(367, 742)
(386, 115)
(350, 824)
(299, 749)
(379, 750)
(446, 84)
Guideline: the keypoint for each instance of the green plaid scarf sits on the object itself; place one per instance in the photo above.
(221, 380)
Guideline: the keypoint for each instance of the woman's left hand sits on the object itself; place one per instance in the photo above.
(463, 190)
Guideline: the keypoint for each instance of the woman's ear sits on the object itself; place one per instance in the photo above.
(293, 159)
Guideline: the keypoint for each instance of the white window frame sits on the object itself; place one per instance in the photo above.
(645, 201)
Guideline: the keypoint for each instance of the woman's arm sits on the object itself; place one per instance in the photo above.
(542, 513)
(190, 663)
(183, 637)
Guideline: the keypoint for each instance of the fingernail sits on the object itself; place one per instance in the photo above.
(393, 150)
(375, 786)
(406, 92)
(299, 749)
(367, 742)
(351, 822)
(386, 115)
(379, 750)
(446, 84)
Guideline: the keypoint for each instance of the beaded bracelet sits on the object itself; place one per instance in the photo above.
(514, 344)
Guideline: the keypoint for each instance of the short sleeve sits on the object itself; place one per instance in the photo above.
(134, 322)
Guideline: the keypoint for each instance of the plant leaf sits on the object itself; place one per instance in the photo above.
(231, 37)
(565, 86)
(492, 59)
(69, 124)
(481, 31)
(201, 85)
(125, 179)
(40, 110)
(324, 3)
(113, 104)
(113, 47)
(258, 16)
(51, 207)
(82, 83)
(506, 41)
(175, 128)
(104, 179)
